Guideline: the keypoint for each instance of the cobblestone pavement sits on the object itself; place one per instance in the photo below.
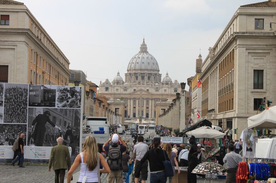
(40, 174)
(29, 174)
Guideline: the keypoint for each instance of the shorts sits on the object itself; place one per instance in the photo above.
(141, 169)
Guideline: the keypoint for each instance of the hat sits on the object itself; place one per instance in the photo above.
(198, 145)
(115, 138)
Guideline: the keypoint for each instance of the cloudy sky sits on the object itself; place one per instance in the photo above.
(100, 37)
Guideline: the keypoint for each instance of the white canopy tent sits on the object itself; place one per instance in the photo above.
(206, 132)
(266, 119)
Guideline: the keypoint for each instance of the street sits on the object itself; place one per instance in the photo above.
(38, 173)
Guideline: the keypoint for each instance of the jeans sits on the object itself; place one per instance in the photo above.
(158, 177)
(20, 157)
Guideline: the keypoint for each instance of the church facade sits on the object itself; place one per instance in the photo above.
(143, 95)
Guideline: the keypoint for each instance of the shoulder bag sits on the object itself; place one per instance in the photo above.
(168, 166)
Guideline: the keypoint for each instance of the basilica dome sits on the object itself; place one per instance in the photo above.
(143, 61)
(118, 79)
(167, 79)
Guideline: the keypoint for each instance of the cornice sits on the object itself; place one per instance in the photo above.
(230, 40)
(29, 34)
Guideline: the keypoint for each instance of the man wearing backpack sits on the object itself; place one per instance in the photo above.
(114, 152)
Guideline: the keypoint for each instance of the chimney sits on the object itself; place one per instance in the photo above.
(198, 64)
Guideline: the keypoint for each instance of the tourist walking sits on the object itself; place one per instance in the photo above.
(156, 156)
(60, 160)
(89, 160)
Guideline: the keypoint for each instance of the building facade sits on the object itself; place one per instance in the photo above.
(239, 71)
(137, 97)
(28, 53)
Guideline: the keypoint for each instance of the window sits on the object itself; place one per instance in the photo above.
(4, 19)
(72, 77)
(31, 77)
(258, 79)
(175, 90)
(259, 23)
(106, 88)
(4, 73)
(134, 115)
(257, 103)
(116, 111)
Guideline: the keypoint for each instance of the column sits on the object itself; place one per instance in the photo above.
(131, 108)
(137, 108)
(128, 107)
(150, 109)
(145, 108)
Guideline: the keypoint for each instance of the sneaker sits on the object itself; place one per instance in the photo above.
(21, 166)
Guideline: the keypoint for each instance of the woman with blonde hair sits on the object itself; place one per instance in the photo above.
(89, 160)
(172, 157)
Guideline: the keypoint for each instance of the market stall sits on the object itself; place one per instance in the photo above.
(258, 153)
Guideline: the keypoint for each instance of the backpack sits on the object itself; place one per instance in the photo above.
(114, 158)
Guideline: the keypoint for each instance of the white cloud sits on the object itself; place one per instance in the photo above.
(187, 6)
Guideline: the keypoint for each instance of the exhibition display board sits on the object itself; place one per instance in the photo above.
(43, 113)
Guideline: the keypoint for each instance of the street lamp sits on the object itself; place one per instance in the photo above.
(183, 85)
(87, 94)
(76, 83)
(182, 109)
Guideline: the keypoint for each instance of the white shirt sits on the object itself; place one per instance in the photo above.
(140, 150)
(91, 176)
(183, 154)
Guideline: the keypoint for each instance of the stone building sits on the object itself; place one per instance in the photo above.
(142, 96)
(240, 68)
(28, 53)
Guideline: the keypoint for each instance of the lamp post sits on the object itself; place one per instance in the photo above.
(76, 83)
(182, 109)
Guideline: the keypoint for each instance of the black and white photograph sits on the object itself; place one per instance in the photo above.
(1, 114)
(42, 95)
(10, 132)
(45, 125)
(1, 94)
(15, 103)
(69, 97)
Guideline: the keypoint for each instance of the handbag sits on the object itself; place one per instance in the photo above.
(168, 167)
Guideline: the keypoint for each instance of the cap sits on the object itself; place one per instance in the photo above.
(198, 145)
(115, 138)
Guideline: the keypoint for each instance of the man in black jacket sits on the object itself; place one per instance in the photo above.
(192, 160)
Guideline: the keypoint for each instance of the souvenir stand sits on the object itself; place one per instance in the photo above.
(257, 167)
(209, 170)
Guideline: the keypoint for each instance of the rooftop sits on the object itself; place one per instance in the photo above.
(269, 4)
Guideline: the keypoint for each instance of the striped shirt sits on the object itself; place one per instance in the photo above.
(232, 160)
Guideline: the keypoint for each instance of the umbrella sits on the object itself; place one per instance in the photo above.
(206, 132)
(208, 168)
(266, 119)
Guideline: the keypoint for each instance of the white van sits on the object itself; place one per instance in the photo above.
(266, 148)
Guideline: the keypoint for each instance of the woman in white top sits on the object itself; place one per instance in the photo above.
(89, 160)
